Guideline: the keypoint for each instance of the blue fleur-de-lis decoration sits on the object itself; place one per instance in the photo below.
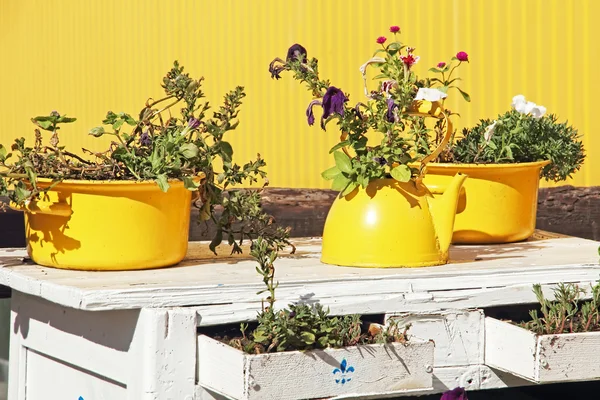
(344, 372)
(80, 398)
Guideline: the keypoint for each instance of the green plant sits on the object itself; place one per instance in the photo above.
(386, 111)
(156, 146)
(524, 134)
(302, 326)
(567, 313)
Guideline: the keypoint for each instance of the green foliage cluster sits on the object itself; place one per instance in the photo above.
(567, 313)
(156, 146)
(517, 138)
(359, 161)
(302, 326)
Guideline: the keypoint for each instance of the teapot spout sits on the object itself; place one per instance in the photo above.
(443, 210)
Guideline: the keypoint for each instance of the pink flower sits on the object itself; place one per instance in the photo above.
(409, 60)
(462, 56)
(441, 64)
(381, 39)
(394, 29)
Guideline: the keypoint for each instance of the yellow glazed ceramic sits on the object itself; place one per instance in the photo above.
(108, 225)
(498, 203)
(394, 224)
(391, 224)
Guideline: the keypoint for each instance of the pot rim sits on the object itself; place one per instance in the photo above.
(112, 182)
(532, 164)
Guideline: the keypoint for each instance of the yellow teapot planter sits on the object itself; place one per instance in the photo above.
(78, 224)
(394, 224)
(498, 203)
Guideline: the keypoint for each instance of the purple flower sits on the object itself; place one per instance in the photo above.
(381, 39)
(333, 103)
(441, 64)
(394, 29)
(391, 107)
(193, 123)
(310, 116)
(296, 52)
(380, 160)
(455, 394)
(145, 139)
(462, 56)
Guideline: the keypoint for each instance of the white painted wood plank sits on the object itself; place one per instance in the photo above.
(568, 357)
(215, 282)
(369, 370)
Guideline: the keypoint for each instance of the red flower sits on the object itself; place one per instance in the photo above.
(409, 60)
(381, 39)
(394, 29)
(462, 56)
(441, 64)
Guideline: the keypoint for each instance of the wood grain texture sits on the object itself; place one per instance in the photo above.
(376, 369)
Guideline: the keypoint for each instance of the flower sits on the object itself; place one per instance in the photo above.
(489, 131)
(380, 160)
(310, 116)
(54, 114)
(145, 139)
(455, 394)
(430, 94)
(193, 123)
(394, 29)
(333, 103)
(521, 105)
(391, 107)
(409, 60)
(374, 60)
(462, 56)
(538, 112)
(296, 52)
(387, 85)
(381, 39)
(441, 64)
(518, 99)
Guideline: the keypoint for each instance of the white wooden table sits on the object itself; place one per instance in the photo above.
(133, 335)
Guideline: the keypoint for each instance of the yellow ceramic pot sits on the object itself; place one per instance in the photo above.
(391, 224)
(108, 225)
(498, 203)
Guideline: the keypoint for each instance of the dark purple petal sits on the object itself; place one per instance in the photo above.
(310, 116)
(455, 394)
(380, 160)
(296, 52)
(391, 106)
(145, 139)
(333, 103)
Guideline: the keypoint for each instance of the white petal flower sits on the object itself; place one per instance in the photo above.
(518, 99)
(489, 131)
(430, 94)
(529, 107)
(538, 112)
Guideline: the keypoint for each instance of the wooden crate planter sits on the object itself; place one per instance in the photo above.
(541, 358)
(332, 373)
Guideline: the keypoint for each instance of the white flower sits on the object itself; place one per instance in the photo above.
(489, 131)
(374, 60)
(430, 94)
(538, 112)
(518, 99)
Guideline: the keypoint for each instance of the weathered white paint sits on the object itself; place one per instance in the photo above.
(376, 370)
(542, 358)
(479, 276)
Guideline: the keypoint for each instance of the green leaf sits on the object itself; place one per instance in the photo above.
(339, 146)
(308, 337)
(66, 120)
(349, 189)
(509, 153)
(129, 119)
(394, 46)
(213, 247)
(190, 184)
(331, 173)
(44, 124)
(361, 144)
(443, 89)
(437, 70)
(340, 182)
(188, 150)
(464, 95)
(21, 192)
(162, 182)
(3, 153)
(226, 150)
(343, 162)
(401, 173)
(97, 131)
(117, 124)
(492, 145)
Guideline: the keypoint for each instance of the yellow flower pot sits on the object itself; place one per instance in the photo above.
(391, 224)
(498, 203)
(108, 225)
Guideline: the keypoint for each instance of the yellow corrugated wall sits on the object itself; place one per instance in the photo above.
(84, 58)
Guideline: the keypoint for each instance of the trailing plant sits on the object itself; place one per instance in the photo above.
(154, 145)
(567, 313)
(302, 326)
(524, 134)
(386, 110)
